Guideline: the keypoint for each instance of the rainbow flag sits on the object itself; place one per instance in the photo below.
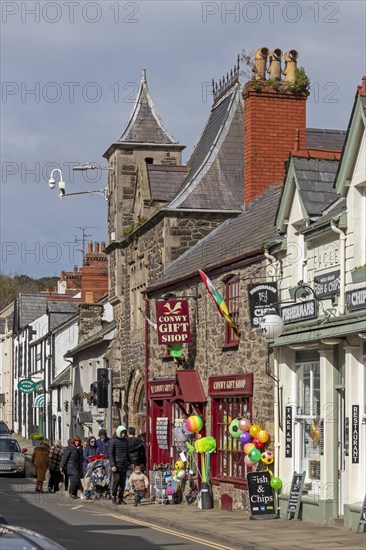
(220, 302)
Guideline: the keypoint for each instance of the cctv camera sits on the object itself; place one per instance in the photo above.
(51, 183)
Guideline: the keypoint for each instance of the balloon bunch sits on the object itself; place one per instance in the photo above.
(203, 446)
(254, 440)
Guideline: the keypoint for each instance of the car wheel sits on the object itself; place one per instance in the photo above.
(22, 474)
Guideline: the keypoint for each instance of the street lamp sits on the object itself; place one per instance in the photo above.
(61, 183)
(80, 168)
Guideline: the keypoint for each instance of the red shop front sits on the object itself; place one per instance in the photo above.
(171, 402)
(231, 397)
(160, 392)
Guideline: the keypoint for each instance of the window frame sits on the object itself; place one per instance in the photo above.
(235, 405)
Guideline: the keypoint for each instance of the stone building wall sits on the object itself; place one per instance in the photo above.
(156, 246)
(207, 355)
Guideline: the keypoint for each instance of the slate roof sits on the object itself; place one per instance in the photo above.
(63, 379)
(94, 340)
(145, 125)
(318, 138)
(60, 311)
(215, 179)
(234, 238)
(333, 211)
(315, 178)
(29, 306)
(165, 180)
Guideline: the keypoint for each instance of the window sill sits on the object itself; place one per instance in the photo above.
(232, 346)
(238, 484)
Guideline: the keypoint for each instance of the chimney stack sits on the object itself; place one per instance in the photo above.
(274, 117)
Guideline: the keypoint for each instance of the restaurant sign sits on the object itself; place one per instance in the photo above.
(356, 299)
(301, 311)
(172, 318)
(261, 296)
(327, 284)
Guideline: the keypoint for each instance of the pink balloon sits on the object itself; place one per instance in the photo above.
(244, 424)
(248, 462)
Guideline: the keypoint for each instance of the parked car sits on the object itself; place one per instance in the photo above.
(18, 538)
(4, 430)
(12, 459)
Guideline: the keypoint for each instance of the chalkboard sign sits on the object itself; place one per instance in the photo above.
(294, 499)
(262, 502)
(362, 520)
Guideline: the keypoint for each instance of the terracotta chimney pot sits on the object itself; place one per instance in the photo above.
(290, 65)
(96, 248)
(90, 247)
(260, 63)
(274, 69)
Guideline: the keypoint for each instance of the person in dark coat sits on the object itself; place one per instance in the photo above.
(72, 462)
(55, 456)
(103, 442)
(119, 459)
(90, 450)
(135, 445)
(142, 438)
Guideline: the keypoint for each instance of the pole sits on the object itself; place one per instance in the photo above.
(110, 404)
(147, 403)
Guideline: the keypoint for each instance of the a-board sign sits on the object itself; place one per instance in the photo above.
(362, 520)
(261, 496)
(294, 499)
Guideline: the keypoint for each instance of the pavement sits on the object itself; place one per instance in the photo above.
(233, 529)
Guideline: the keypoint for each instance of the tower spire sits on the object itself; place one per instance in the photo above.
(145, 125)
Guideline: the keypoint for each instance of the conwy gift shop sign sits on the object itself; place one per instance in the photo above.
(173, 322)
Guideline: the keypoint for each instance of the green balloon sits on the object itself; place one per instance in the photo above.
(255, 455)
(276, 483)
(234, 429)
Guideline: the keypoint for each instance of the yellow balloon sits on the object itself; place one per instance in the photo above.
(254, 429)
(263, 436)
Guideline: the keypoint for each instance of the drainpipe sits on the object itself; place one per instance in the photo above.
(342, 238)
(147, 404)
(277, 444)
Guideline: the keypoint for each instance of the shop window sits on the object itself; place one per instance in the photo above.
(228, 461)
(232, 298)
(308, 421)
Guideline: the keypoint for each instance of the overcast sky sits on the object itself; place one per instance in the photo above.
(70, 72)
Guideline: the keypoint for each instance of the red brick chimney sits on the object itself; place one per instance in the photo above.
(94, 273)
(274, 118)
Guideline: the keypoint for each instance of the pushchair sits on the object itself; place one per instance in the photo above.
(97, 478)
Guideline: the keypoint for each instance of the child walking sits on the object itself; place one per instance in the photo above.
(139, 483)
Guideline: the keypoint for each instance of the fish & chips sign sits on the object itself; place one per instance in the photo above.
(173, 322)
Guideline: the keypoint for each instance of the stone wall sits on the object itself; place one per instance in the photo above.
(208, 355)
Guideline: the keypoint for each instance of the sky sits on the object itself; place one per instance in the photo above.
(70, 72)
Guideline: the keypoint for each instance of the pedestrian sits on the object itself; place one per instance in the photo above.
(119, 459)
(90, 450)
(135, 446)
(142, 438)
(55, 456)
(72, 462)
(41, 461)
(103, 442)
(138, 483)
(66, 482)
